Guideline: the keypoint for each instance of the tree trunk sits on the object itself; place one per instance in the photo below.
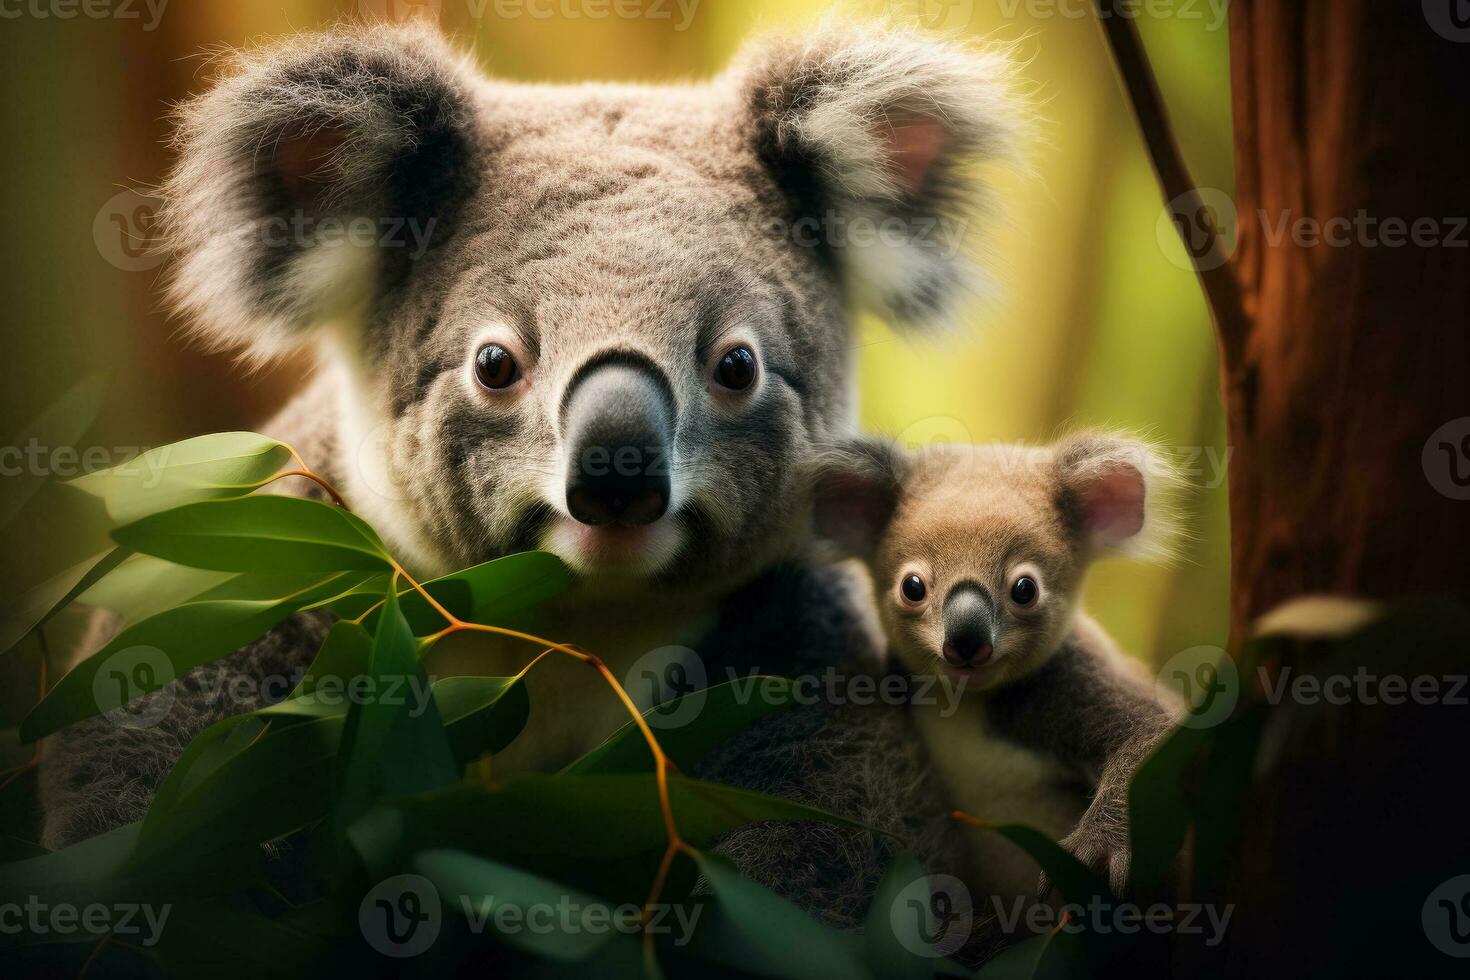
(1354, 351)
(1344, 329)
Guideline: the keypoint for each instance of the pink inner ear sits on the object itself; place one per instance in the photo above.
(1112, 505)
(912, 149)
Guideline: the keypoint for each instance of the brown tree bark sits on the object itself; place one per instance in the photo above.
(1343, 316)
(1351, 355)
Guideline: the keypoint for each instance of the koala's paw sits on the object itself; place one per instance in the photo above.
(1101, 846)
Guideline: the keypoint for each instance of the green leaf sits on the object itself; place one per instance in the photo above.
(482, 714)
(146, 656)
(342, 656)
(603, 833)
(143, 586)
(222, 465)
(221, 941)
(1056, 955)
(481, 888)
(280, 782)
(721, 711)
(264, 534)
(63, 423)
(1075, 880)
(1078, 884)
(394, 742)
(209, 750)
(886, 952)
(1159, 812)
(487, 593)
(37, 606)
(256, 777)
(765, 934)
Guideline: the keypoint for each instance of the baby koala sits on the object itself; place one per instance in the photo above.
(977, 555)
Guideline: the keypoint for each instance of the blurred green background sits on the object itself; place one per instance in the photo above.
(1094, 319)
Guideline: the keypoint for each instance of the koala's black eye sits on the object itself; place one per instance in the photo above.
(913, 588)
(1025, 591)
(736, 369)
(495, 368)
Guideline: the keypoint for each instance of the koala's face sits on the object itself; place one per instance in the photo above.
(605, 321)
(976, 573)
(977, 552)
(621, 367)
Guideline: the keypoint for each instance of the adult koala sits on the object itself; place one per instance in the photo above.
(607, 321)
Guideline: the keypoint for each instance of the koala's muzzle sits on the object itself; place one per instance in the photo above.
(618, 417)
(969, 625)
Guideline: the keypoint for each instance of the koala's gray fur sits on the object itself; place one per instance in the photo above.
(569, 224)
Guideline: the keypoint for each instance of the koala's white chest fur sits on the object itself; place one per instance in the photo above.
(995, 779)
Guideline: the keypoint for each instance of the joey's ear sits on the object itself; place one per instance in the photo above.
(1113, 492)
(868, 131)
(855, 490)
(310, 175)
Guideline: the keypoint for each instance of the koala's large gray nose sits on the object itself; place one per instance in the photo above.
(619, 424)
(969, 629)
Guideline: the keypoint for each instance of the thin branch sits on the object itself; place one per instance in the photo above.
(1212, 265)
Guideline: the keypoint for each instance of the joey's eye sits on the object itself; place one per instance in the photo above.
(913, 589)
(736, 369)
(495, 368)
(1025, 591)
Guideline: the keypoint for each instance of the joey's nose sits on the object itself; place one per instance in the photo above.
(969, 632)
(618, 419)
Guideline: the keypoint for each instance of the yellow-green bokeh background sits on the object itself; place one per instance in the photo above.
(1094, 320)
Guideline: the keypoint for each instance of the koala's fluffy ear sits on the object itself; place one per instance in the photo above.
(312, 172)
(1114, 493)
(868, 131)
(855, 490)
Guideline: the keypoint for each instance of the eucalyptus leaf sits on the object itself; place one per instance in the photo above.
(1078, 883)
(37, 606)
(486, 593)
(887, 951)
(720, 711)
(481, 889)
(143, 586)
(146, 656)
(221, 465)
(63, 423)
(763, 933)
(1055, 955)
(256, 777)
(1159, 809)
(394, 741)
(576, 827)
(263, 534)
